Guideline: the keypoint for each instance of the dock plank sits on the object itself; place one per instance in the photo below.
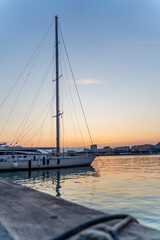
(29, 214)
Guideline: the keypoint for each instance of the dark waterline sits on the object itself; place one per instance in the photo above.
(122, 184)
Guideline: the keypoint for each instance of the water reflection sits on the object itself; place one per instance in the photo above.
(47, 180)
(129, 164)
(123, 184)
(58, 186)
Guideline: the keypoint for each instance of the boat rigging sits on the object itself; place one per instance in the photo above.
(15, 158)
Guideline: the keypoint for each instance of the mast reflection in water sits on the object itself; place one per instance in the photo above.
(122, 184)
(48, 181)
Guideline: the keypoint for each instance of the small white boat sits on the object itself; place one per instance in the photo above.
(14, 158)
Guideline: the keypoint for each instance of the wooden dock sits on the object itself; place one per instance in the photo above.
(26, 214)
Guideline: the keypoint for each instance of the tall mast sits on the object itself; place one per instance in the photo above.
(57, 86)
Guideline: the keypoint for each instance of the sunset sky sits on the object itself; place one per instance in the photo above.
(114, 49)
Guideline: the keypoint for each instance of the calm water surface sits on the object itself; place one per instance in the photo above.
(121, 184)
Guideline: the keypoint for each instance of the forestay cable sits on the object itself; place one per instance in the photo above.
(76, 86)
(73, 101)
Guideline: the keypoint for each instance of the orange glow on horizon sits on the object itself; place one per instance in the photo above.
(101, 136)
(100, 143)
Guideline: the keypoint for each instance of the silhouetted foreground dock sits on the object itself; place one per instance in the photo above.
(28, 214)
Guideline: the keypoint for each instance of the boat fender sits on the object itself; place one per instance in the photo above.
(15, 165)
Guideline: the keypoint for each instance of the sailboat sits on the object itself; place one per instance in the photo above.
(14, 158)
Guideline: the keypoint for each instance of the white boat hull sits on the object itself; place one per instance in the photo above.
(46, 163)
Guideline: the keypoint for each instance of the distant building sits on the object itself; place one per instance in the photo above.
(157, 145)
(107, 150)
(94, 148)
(143, 148)
(124, 149)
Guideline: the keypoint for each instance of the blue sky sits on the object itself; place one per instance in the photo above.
(114, 48)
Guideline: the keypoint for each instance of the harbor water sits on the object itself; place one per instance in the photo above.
(113, 184)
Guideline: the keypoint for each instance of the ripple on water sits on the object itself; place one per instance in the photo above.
(121, 184)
